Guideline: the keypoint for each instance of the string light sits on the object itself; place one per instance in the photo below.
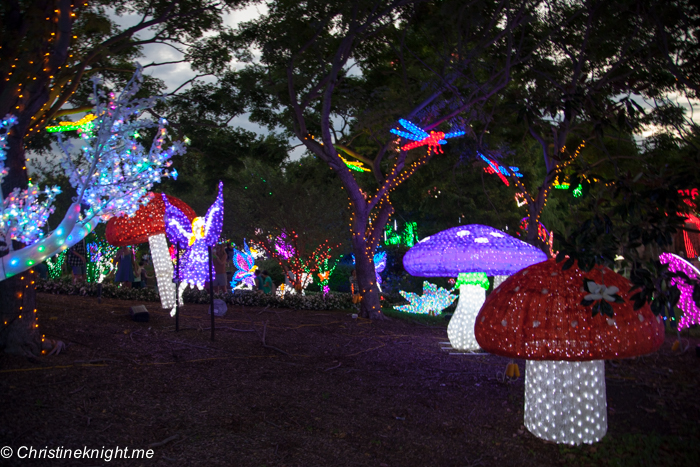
(691, 240)
(23, 213)
(432, 302)
(691, 312)
(469, 249)
(84, 124)
(55, 265)
(502, 172)
(407, 237)
(112, 173)
(379, 261)
(100, 263)
(354, 165)
(572, 411)
(537, 314)
(324, 269)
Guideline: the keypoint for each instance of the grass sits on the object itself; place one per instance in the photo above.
(638, 449)
(440, 320)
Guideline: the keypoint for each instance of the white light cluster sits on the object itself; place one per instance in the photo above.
(565, 401)
(111, 175)
(433, 301)
(114, 170)
(163, 266)
(498, 280)
(460, 330)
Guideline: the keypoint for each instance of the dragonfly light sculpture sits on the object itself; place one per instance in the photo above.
(421, 138)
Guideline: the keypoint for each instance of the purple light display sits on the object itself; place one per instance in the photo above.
(195, 238)
(470, 248)
(691, 313)
(283, 248)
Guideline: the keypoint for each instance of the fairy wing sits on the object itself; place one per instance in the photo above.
(416, 133)
(379, 262)
(243, 262)
(177, 226)
(454, 134)
(214, 220)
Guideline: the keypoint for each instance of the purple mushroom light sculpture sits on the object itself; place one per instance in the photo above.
(471, 252)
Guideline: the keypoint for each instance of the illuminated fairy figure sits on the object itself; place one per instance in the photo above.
(195, 238)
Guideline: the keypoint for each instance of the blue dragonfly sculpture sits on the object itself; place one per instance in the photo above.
(421, 138)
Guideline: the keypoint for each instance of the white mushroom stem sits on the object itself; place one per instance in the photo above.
(164, 270)
(497, 280)
(565, 401)
(460, 330)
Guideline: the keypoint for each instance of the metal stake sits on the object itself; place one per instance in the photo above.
(177, 287)
(211, 293)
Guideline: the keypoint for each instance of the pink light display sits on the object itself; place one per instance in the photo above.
(284, 249)
(195, 238)
(691, 312)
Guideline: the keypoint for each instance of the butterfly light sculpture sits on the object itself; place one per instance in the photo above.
(195, 238)
(245, 265)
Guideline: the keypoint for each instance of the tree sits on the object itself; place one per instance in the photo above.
(424, 61)
(582, 92)
(49, 48)
(293, 211)
(111, 177)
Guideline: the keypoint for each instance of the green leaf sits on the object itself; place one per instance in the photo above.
(606, 308)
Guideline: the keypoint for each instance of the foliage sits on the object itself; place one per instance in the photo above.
(331, 301)
(635, 215)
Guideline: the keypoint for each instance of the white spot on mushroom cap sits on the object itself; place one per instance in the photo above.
(574, 324)
(545, 291)
(641, 318)
(481, 240)
(424, 240)
(535, 324)
(516, 289)
(496, 234)
(611, 322)
(504, 323)
(462, 233)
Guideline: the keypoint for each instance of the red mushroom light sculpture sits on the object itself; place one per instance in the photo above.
(537, 315)
(147, 225)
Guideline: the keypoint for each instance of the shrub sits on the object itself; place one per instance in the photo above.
(311, 301)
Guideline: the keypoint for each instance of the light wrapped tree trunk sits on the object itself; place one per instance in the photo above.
(19, 333)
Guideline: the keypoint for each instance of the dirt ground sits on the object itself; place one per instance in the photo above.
(324, 390)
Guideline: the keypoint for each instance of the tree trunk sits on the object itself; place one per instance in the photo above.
(370, 306)
(19, 332)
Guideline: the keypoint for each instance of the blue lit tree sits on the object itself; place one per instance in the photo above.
(111, 175)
